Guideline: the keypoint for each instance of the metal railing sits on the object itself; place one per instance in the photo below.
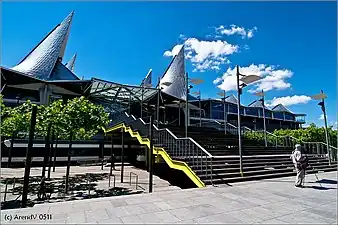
(136, 179)
(112, 175)
(186, 149)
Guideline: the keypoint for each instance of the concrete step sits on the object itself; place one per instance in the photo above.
(262, 176)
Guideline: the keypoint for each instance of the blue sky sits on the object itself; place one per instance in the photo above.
(295, 44)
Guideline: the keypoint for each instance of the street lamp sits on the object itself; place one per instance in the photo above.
(261, 94)
(321, 96)
(198, 93)
(246, 79)
(166, 83)
(142, 94)
(195, 81)
(225, 115)
(179, 111)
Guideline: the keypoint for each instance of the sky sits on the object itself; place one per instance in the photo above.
(292, 45)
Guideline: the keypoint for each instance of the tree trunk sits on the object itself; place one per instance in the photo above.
(10, 151)
(56, 147)
(68, 163)
(46, 152)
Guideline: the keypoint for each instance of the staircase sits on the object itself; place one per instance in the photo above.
(212, 155)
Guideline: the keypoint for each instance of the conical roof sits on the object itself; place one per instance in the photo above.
(146, 82)
(42, 59)
(231, 99)
(61, 72)
(257, 104)
(175, 74)
(281, 108)
(71, 63)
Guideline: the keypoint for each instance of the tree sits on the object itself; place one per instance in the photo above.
(81, 119)
(48, 119)
(15, 121)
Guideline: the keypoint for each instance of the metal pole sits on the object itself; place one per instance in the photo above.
(179, 112)
(102, 152)
(186, 105)
(239, 123)
(111, 158)
(10, 151)
(158, 103)
(224, 116)
(122, 155)
(151, 165)
(142, 102)
(50, 155)
(264, 123)
(129, 103)
(326, 134)
(29, 157)
(199, 105)
(56, 146)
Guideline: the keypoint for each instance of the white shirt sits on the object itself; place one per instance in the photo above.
(295, 156)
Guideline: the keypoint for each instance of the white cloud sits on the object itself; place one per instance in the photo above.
(289, 100)
(272, 78)
(205, 55)
(174, 51)
(236, 30)
(322, 117)
(182, 36)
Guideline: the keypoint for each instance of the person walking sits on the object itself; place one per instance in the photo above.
(300, 163)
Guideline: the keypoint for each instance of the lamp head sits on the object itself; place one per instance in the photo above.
(319, 96)
(248, 79)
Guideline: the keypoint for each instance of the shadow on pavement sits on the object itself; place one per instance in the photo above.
(320, 188)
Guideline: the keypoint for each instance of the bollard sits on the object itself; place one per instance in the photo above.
(5, 190)
(13, 185)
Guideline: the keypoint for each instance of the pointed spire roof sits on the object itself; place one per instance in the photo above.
(41, 60)
(281, 108)
(71, 63)
(175, 74)
(231, 99)
(257, 104)
(146, 82)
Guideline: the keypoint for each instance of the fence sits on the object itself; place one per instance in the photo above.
(136, 179)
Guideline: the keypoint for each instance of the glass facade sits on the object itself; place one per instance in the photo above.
(215, 110)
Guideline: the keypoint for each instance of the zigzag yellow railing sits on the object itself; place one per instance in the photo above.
(174, 164)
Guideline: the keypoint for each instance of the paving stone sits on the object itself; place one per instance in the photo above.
(266, 202)
(131, 220)
(110, 221)
(219, 218)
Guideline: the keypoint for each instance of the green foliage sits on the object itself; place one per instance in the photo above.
(82, 118)
(3, 108)
(309, 134)
(79, 116)
(50, 115)
(17, 119)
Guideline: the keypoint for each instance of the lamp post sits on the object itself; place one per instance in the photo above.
(225, 115)
(321, 96)
(246, 79)
(198, 93)
(144, 86)
(179, 111)
(166, 83)
(195, 81)
(261, 94)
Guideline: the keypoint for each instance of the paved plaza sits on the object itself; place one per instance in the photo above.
(134, 178)
(273, 201)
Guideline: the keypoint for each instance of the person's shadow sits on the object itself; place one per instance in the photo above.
(322, 181)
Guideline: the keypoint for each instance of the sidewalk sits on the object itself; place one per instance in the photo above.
(273, 201)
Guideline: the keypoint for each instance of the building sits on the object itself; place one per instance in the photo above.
(42, 76)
